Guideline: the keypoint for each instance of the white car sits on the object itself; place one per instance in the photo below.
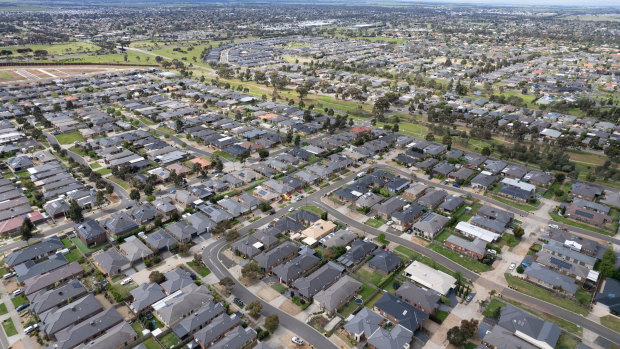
(512, 266)
(291, 209)
(126, 281)
(389, 222)
(29, 329)
(297, 340)
(17, 292)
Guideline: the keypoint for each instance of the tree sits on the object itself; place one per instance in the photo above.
(134, 195)
(100, 198)
(382, 105)
(75, 212)
(520, 269)
(606, 267)
(156, 277)
(334, 252)
(272, 322)
(302, 91)
(26, 229)
(456, 337)
(227, 283)
(518, 231)
(430, 137)
(263, 153)
(486, 151)
(297, 140)
(251, 270)
(469, 327)
(254, 308)
(109, 188)
(231, 235)
(197, 259)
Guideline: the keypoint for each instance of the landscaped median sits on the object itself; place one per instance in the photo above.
(543, 294)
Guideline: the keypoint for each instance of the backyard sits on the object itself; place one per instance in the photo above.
(169, 340)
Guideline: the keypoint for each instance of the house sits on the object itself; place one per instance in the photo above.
(249, 201)
(176, 279)
(342, 237)
(433, 198)
(338, 294)
(319, 229)
(400, 312)
(430, 278)
(359, 250)
(304, 217)
(515, 172)
(397, 185)
(86, 330)
(431, 225)
(58, 275)
(451, 204)
(56, 208)
(90, 233)
(363, 324)
(475, 249)
(483, 180)
(182, 231)
(160, 240)
(369, 200)
(563, 266)
(145, 295)
(57, 297)
(119, 223)
(538, 178)
(184, 198)
(565, 251)
(164, 206)
(385, 261)
(405, 218)
(462, 174)
(144, 214)
(278, 255)
(181, 304)
(397, 338)
(36, 251)
(295, 268)
(550, 279)
(200, 222)
(500, 338)
(60, 318)
(135, 250)
(415, 191)
(118, 337)
(608, 296)
(19, 163)
(493, 213)
(393, 204)
(31, 269)
(473, 231)
(586, 191)
(111, 262)
(421, 298)
(542, 334)
(237, 338)
(233, 207)
(320, 279)
(216, 330)
(587, 216)
(199, 320)
(442, 169)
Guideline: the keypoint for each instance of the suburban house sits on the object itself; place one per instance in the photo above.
(320, 279)
(338, 294)
(400, 312)
(540, 333)
(295, 268)
(431, 225)
(363, 324)
(430, 278)
(135, 250)
(145, 295)
(280, 254)
(385, 261)
(550, 279)
(421, 298)
(359, 250)
(199, 320)
(111, 262)
(475, 249)
(608, 298)
(90, 233)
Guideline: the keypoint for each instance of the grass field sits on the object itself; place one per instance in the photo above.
(73, 255)
(375, 222)
(3, 309)
(112, 58)
(443, 236)
(96, 165)
(137, 326)
(116, 180)
(200, 269)
(69, 138)
(544, 294)
(409, 129)
(611, 321)
(465, 261)
(348, 308)
(53, 49)
(78, 151)
(566, 341)
(84, 249)
(169, 340)
(366, 291)
(317, 211)
(151, 344)
(279, 287)
(524, 207)
(493, 308)
(9, 327)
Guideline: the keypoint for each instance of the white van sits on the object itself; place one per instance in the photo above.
(29, 329)
(126, 281)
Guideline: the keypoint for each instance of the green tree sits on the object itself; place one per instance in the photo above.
(251, 270)
(75, 212)
(100, 198)
(606, 267)
(297, 140)
(518, 231)
(263, 153)
(227, 283)
(382, 105)
(486, 151)
(25, 231)
(156, 277)
(254, 308)
(272, 322)
(134, 195)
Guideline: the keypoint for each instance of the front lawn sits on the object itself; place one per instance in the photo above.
(299, 303)
(317, 211)
(84, 249)
(3, 309)
(169, 340)
(118, 181)
(95, 165)
(493, 308)
(279, 287)
(19, 300)
(78, 151)
(9, 327)
(524, 207)
(567, 341)
(583, 296)
(611, 321)
(200, 269)
(66, 242)
(544, 295)
(442, 315)
(465, 261)
(151, 344)
(104, 171)
(443, 236)
(375, 222)
(69, 138)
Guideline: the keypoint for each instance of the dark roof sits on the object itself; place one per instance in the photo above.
(319, 280)
(33, 251)
(610, 295)
(425, 298)
(404, 313)
(295, 268)
(203, 315)
(360, 249)
(385, 261)
(515, 319)
(89, 229)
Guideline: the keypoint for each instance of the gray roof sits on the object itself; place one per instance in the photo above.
(309, 285)
(270, 258)
(499, 337)
(31, 269)
(48, 299)
(491, 224)
(181, 231)
(200, 222)
(111, 261)
(385, 261)
(393, 204)
(404, 313)
(159, 239)
(89, 229)
(57, 206)
(295, 268)
(477, 246)
(221, 324)
(56, 319)
(145, 295)
(115, 337)
(425, 298)
(135, 249)
(340, 238)
(74, 335)
(432, 224)
(364, 322)
(514, 319)
(609, 294)
(187, 300)
(119, 223)
(495, 213)
(566, 252)
(398, 338)
(144, 213)
(451, 203)
(336, 294)
(359, 251)
(237, 338)
(176, 279)
(203, 315)
(39, 282)
(483, 180)
(33, 251)
(552, 278)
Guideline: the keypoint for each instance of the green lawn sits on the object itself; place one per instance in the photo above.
(19, 300)
(137, 326)
(200, 269)
(443, 236)
(124, 290)
(78, 151)
(104, 171)
(544, 294)
(409, 129)
(146, 121)
(556, 217)
(53, 49)
(493, 307)
(566, 341)
(348, 308)
(508, 239)
(374, 299)
(96, 165)
(370, 277)
(375, 222)
(465, 261)
(151, 344)
(611, 321)
(118, 181)
(583, 296)
(225, 155)
(73, 255)
(442, 315)
(169, 340)
(317, 211)
(366, 291)
(66, 242)
(9, 327)
(69, 138)
(524, 207)
(130, 57)
(3, 309)
(279, 287)
(84, 249)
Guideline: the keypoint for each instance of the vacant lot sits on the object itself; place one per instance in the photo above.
(69, 138)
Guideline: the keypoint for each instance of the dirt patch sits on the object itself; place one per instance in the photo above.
(126, 313)
(419, 241)
(289, 307)
(441, 334)
(286, 341)
(113, 198)
(10, 75)
(522, 248)
(268, 294)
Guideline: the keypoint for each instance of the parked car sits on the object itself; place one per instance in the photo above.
(239, 302)
(390, 222)
(291, 209)
(22, 307)
(126, 281)
(512, 266)
(297, 340)
(469, 298)
(9, 275)
(456, 185)
(29, 329)
(17, 292)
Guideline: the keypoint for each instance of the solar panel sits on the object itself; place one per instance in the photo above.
(560, 263)
(428, 218)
